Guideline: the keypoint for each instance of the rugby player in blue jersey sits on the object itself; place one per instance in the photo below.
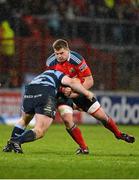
(39, 101)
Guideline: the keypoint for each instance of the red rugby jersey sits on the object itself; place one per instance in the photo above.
(75, 66)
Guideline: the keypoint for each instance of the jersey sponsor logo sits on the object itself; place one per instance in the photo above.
(28, 96)
(32, 96)
(37, 95)
(83, 67)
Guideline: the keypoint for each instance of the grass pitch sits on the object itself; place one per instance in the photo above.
(53, 156)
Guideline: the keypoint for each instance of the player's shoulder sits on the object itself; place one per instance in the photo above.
(53, 71)
(75, 58)
(51, 60)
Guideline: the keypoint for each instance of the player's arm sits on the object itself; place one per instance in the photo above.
(72, 94)
(88, 82)
(84, 73)
(76, 86)
(85, 76)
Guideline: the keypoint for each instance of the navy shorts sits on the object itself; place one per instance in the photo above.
(39, 99)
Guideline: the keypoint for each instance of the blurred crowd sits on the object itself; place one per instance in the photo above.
(56, 17)
(127, 9)
(70, 19)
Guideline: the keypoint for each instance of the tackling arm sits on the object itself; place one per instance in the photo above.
(76, 86)
(88, 82)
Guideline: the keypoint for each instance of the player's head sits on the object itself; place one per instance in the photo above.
(61, 50)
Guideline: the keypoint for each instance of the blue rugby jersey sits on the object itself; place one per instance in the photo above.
(49, 78)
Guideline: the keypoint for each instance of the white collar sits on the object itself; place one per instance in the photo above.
(68, 57)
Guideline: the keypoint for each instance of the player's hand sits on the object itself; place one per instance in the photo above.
(73, 94)
(90, 95)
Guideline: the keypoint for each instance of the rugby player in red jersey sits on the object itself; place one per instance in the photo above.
(74, 65)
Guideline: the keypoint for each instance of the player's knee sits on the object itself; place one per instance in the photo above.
(64, 109)
(68, 123)
(66, 113)
(68, 120)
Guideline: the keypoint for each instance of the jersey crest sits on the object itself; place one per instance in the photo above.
(72, 70)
